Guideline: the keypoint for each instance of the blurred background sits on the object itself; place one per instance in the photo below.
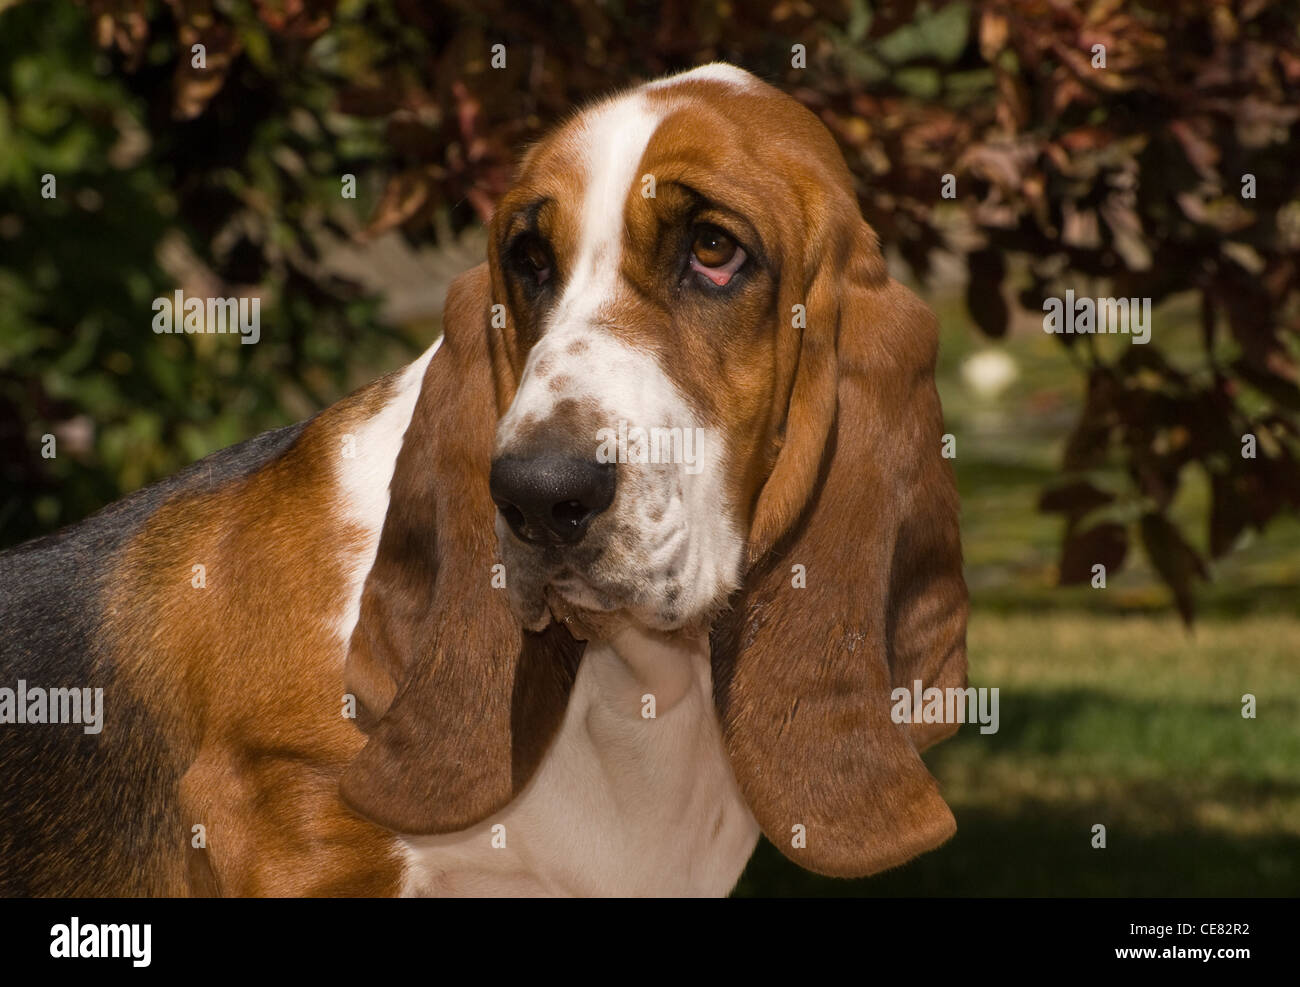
(1162, 164)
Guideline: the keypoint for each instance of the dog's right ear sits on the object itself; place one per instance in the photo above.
(459, 702)
(865, 505)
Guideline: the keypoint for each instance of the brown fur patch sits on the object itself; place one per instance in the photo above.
(251, 699)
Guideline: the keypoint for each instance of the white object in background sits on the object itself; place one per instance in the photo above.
(989, 372)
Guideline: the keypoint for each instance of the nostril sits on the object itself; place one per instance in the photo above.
(570, 512)
(513, 516)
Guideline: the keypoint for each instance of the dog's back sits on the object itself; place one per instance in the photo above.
(93, 813)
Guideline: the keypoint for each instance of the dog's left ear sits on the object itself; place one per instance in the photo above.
(854, 588)
(459, 702)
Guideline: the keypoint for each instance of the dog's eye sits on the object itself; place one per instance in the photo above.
(536, 258)
(712, 247)
(716, 255)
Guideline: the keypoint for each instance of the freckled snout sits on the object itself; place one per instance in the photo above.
(551, 498)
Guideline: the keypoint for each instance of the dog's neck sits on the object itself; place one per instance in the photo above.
(636, 664)
(634, 797)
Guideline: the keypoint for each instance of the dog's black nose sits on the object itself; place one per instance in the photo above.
(551, 498)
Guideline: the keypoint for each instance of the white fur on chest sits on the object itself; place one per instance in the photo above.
(621, 804)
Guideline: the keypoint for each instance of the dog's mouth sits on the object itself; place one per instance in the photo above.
(576, 591)
(546, 582)
(584, 622)
(583, 607)
(548, 585)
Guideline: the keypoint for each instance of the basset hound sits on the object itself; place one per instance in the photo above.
(618, 575)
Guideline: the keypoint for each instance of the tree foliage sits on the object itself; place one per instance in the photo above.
(1170, 170)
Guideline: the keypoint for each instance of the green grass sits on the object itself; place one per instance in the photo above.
(1111, 711)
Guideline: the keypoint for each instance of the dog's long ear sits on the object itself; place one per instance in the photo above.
(806, 659)
(458, 701)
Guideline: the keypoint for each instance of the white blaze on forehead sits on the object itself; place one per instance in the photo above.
(713, 72)
(615, 136)
(625, 381)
